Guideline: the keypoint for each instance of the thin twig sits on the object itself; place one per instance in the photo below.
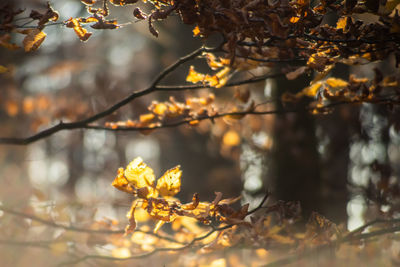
(187, 121)
(84, 122)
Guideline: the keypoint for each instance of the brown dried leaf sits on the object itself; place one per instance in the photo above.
(33, 39)
(82, 33)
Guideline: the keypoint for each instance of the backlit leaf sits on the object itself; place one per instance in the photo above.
(33, 39)
(194, 76)
(335, 82)
(82, 33)
(139, 174)
(170, 183)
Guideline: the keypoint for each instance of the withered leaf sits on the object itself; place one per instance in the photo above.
(139, 14)
(33, 39)
(82, 33)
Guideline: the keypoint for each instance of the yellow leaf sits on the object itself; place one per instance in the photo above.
(294, 19)
(121, 183)
(82, 33)
(170, 183)
(341, 23)
(194, 122)
(335, 82)
(312, 90)
(196, 31)
(33, 40)
(145, 118)
(231, 138)
(194, 76)
(159, 108)
(139, 174)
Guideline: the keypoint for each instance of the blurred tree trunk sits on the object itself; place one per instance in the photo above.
(296, 165)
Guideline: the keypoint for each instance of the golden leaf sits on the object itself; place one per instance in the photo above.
(335, 82)
(294, 19)
(341, 23)
(146, 118)
(33, 39)
(158, 108)
(196, 31)
(139, 174)
(82, 33)
(170, 183)
(312, 90)
(194, 76)
(121, 183)
(194, 122)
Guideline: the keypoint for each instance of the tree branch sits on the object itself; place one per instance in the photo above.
(242, 114)
(84, 122)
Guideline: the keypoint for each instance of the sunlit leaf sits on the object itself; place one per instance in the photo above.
(170, 183)
(312, 90)
(139, 174)
(146, 118)
(196, 31)
(336, 82)
(194, 76)
(33, 39)
(82, 33)
(121, 183)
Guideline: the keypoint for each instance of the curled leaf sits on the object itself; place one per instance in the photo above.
(82, 33)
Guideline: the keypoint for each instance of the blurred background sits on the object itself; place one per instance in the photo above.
(338, 164)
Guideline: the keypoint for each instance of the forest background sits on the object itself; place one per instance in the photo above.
(292, 105)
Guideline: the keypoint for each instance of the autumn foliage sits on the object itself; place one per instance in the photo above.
(258, 41)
